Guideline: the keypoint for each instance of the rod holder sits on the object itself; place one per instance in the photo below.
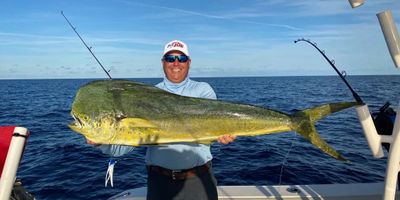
(391, 35)
(368, 126)
(13, 158)
(393, 162)
(356, 3)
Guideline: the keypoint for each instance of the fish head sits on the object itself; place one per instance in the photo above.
(114, 128)
(105, 113)
(97, 110)
(96, 128)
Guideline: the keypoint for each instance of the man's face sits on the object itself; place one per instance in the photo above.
(176, 71)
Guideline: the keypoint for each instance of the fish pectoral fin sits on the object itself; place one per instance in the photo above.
(137, 122)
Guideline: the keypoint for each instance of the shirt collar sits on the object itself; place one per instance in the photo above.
(173, 86)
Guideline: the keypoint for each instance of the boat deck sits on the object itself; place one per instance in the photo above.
(354, 191)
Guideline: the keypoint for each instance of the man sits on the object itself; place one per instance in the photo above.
(193, 178)
(183, 170)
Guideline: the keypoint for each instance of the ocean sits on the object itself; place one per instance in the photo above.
(58, 164)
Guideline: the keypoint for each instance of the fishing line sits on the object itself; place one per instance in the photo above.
(89, 48)
(332, 63)
(285, 158)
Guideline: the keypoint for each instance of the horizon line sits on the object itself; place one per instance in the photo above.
(249, 76)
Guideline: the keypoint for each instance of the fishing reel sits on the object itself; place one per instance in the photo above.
(384, 121)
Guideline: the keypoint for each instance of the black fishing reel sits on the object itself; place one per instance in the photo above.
(384, 121)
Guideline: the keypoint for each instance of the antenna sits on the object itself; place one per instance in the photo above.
(89, 48)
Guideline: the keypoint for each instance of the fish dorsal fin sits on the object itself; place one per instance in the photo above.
(137, 122)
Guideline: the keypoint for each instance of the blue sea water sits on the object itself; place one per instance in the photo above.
(58, 164)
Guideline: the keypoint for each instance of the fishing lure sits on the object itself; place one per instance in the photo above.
(110, 173)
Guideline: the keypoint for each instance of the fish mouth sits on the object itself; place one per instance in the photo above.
(77, 123)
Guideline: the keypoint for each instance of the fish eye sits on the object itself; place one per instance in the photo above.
(119, 117)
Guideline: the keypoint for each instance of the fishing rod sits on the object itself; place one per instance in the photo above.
(331, 62)
(89, 48)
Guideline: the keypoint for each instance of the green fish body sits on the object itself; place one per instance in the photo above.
(128, 113)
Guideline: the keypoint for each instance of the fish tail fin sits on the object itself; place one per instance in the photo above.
(304, 122)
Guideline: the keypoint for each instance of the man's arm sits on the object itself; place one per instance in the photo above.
(111, 149)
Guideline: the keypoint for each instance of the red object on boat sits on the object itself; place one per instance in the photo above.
(6, 134)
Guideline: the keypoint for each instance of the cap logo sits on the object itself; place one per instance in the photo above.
(175, 44)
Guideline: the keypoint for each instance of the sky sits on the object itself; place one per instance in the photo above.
(225, 37)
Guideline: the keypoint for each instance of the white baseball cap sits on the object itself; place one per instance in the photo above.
(176, 45)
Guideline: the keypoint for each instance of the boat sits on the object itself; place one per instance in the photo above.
(353, 191)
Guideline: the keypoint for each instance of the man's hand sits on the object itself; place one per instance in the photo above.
(226, 139)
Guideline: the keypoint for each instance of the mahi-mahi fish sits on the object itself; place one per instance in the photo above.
(129, 113)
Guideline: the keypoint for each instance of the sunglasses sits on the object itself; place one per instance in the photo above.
(172, 58)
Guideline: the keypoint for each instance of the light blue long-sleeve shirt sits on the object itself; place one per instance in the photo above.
(174, 156)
